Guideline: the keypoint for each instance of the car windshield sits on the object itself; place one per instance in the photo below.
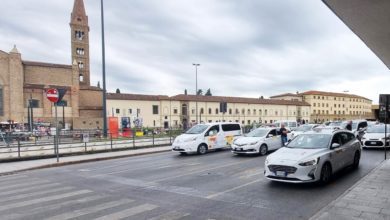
(257, 133)
(304, 128)
(378, 129)
(335, 123)
(197, 129)
(310, 141)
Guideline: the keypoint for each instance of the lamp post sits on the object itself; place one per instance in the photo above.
(196, 90)
(104, 74)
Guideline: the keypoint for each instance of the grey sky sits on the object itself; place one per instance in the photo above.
(245, 48)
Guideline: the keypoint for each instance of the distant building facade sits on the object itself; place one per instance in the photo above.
(330, 106)
(180, 110)
(23, 82)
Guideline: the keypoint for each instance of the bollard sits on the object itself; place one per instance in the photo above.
(133, 139)
(153, 137)
(111, 140)
(85, 146)
(18, 147)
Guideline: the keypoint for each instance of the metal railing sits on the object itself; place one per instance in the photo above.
(30, 145)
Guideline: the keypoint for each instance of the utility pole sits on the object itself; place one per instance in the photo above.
(104, 73)
(196, 90)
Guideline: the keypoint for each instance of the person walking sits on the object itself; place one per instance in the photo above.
(283, 134)
(349, 126)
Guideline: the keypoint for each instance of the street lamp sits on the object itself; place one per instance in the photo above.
(196, 90)
(104, 74)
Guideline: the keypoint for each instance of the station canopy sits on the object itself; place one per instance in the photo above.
(369, 20)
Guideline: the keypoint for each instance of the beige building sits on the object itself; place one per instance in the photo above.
(329, 106)
(23, 82)
(180, 110)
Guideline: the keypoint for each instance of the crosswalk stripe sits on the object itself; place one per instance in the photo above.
(25, 195)
(55, 206)
(43, 199)
(173, 215)
(89, 210)
(25, 183)
(128, 212)
(26, 189)
(11, 178)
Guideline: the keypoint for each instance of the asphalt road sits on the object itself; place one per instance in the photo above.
(217, 185)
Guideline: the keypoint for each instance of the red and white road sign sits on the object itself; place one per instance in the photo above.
(52, 95)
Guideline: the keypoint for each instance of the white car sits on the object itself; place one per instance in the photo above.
(302, 129)
(258, 141)
(313, 156)
(375, 136)
(204, 137)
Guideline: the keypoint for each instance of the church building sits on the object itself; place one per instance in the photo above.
(24, 83)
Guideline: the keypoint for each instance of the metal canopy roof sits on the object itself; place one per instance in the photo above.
(369, 20)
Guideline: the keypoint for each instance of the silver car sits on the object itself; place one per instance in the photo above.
(314, 156)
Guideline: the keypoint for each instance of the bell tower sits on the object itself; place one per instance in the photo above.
(80, 42)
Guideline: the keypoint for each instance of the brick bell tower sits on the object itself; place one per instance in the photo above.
(80, 42)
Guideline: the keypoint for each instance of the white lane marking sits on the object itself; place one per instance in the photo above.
(232, 189)
(201, 170)
(89, 210)
(21, 196)
(29, 188)
(39, 210)
(173, 215)
(25, 183)
(10, 178)
(44, 199)
(145, 168)
(128, 212)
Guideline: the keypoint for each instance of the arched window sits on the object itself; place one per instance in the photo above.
(230, 111)
(201, 111)
(209, 111)
(216, 111)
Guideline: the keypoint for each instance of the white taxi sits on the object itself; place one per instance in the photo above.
(258, 141)
(313, 156)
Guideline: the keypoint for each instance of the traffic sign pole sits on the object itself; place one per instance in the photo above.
(56, 139)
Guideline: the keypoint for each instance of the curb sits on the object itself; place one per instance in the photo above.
(81, 161)
(319, 212)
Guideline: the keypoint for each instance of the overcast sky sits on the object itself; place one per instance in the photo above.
(246, 48)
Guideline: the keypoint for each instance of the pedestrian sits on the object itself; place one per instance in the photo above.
(349, 126)
(283, 134)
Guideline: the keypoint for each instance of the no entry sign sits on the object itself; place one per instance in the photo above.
(52, 95)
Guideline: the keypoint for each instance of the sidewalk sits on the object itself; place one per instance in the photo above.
(12, 167)
(367, 199)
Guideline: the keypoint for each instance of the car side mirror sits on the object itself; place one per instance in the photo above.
(211, 133)
(270, 136)
(335, 145)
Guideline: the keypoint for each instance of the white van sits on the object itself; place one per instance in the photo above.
(203, 137)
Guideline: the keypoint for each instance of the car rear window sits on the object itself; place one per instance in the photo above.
(231, 127)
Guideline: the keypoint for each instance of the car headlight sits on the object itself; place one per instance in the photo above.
(253, 143)
(310, 162)
(266, 161)
(191, 139)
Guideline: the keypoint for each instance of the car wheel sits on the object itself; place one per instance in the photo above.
(263, 150)
(326, 173)
(356, 160)
(202, 149)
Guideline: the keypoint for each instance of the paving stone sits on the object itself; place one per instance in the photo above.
(333, 216)
(371, 216)
(345, 211)
(364, 208)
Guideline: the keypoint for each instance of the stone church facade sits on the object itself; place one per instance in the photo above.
(23, 82)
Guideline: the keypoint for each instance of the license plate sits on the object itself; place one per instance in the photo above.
(372, 142)
(280, 173)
